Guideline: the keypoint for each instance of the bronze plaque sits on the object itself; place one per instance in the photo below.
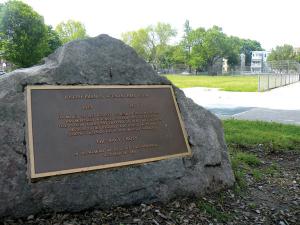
(80, 128)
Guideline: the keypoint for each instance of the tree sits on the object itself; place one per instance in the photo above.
(23, 34)
(70, 30)
(215, 47)
(209, 48)
(160, 37)
(140, 41)
(236, 46)
(177, 55)
(199, 49)
(285, 52)
(151, 43)
(247, 47)
(233, 51)
(53, 40)
(163, 32)
(197, 59)
(298, 57)
(187, 44)
(169, 56)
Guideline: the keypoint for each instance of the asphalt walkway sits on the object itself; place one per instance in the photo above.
(279, 105)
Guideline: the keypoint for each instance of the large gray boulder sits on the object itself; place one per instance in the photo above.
(103, 60)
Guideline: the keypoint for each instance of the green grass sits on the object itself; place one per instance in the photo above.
(258, 174)
(248, 158)
(226, 83)
(270, 136)
(242, 136)
(211, 210)
(271, 170)
(243, 163)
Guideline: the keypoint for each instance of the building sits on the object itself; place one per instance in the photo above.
(259, 61)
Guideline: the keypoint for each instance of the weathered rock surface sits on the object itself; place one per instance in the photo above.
(103, 60)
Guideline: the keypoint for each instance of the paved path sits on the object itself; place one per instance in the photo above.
(278, 105)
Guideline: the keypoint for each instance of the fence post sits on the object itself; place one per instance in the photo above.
(268, 81)
(284, 80)
(259, 82)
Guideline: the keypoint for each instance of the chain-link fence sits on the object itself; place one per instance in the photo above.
(270, 81)
(271, 74)
(277, 74)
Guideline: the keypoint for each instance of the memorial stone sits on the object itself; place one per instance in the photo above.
(101, 61)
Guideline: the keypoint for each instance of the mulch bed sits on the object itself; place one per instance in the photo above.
(275, 199)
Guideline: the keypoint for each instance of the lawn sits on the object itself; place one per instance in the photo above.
(226, 83)
(270, 136)
(248, 141)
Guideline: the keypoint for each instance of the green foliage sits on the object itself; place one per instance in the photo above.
(285, 52)
(247, 46)
(152, 43)
(196, 38)
(23, 34)
(186, 45)
(207, 47)
(70, 30)
(187, 28)
(298, 57)
(167, 56)
(177, 54)
(204, 48)
(270, 136)
(199, 49)
(226, 83)
(53, 40)
(163, 32)
(140, 41)
(215, 46)
(233, 51)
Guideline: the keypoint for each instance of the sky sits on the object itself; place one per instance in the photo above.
(271, 22)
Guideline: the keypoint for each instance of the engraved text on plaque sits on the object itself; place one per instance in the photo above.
(80, 128)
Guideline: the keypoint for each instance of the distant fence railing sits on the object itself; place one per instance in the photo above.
(270, 81)
(277, 74)
(271, 74)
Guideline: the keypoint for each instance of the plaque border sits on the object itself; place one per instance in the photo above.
(30, 151)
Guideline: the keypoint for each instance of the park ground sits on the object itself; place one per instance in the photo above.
(237, 97)
(236, 83)
(265, 159)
